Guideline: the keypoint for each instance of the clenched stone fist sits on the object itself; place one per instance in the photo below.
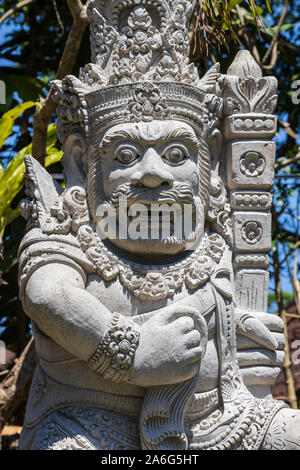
(172, 343)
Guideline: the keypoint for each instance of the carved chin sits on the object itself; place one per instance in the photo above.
(168, 246)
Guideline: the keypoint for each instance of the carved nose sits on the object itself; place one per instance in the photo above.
(151, 181)
(151, 172)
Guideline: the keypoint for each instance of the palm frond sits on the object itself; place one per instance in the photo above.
(214, 20)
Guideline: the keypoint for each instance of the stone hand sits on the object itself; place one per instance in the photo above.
(260, 344)
(172, 343)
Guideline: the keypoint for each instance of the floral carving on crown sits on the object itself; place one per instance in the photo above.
(153, 44)
(137, 44)
(147, 103)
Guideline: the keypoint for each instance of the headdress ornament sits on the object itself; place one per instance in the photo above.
(140, 70)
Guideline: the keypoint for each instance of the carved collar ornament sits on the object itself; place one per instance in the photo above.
(155, 282)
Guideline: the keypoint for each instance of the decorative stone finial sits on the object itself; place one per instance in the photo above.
(245, 66)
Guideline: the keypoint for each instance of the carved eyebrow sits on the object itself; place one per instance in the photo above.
(184, 134)
(118, 136)
(134, 135)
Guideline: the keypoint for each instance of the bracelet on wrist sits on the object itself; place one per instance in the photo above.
(115, 353)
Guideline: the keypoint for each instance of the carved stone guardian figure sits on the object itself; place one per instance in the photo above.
(148, 339)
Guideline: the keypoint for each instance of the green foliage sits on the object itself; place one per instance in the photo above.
(8, 119)
(12, 179)
(29, 88)
(12, 320)
(286, 297)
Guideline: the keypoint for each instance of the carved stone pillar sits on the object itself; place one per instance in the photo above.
(249, 127)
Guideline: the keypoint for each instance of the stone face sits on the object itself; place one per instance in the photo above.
(146, 279)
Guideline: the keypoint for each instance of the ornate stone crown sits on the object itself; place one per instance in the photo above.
(139, 72)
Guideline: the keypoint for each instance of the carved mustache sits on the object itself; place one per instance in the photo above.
(180, 193)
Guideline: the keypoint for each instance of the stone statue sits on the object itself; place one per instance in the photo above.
(154, 342)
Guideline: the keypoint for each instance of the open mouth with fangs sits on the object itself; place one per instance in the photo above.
(155, 216)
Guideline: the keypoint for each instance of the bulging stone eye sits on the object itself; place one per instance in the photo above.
(126, 155)
(175, 154)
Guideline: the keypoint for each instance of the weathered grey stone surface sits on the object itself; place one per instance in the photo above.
(154, 342)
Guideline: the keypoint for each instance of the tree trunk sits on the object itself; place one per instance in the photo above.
(15, 387)
(287, 366)
(289, 379)
(43, 113)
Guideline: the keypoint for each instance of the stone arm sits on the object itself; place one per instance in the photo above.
(260, 347)
(166, 349)
(56, 299)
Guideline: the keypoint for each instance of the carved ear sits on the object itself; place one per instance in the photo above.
(74, 160)
(215, 146)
